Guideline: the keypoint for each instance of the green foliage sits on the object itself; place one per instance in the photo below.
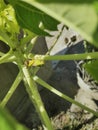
(7, 122)
(33, 19)
(78, 15)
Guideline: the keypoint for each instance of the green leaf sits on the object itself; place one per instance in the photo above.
(77, 14)
(92, 68)
(7, 122)
(31, 18)
(49, 23)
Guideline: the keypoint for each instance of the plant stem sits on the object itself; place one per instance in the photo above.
(31, 45)
(12, 89)
(55, 41)
(49, 87)
(8, 57)
(27, 39)
(36, 99)
(92, 55)
(4, 37)
(83, 56)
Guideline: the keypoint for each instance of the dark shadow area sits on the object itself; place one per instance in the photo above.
(19, 102)
(4, 47)
(63, 79)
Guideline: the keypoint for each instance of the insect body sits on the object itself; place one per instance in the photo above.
(35, 61)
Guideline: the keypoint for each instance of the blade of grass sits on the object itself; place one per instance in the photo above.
(49, 87)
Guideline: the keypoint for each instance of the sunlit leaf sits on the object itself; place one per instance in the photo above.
(31, 18)
(79, 15)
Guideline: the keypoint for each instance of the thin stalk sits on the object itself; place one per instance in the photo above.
(92, 55)
(83, 56)
(49, 87)
(4, 37)
(12, 89)
(36, 99)
(55, 41)
(31, 44)
(29, 36)
(8, 57)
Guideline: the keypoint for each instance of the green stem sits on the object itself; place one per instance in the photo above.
(12, 89)
(4, 37)
(55, 41)
(92, 55)
(36, 99)
(44, 84)
(8, 57)
(31, 45)
(83, 56)
(27, 39)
